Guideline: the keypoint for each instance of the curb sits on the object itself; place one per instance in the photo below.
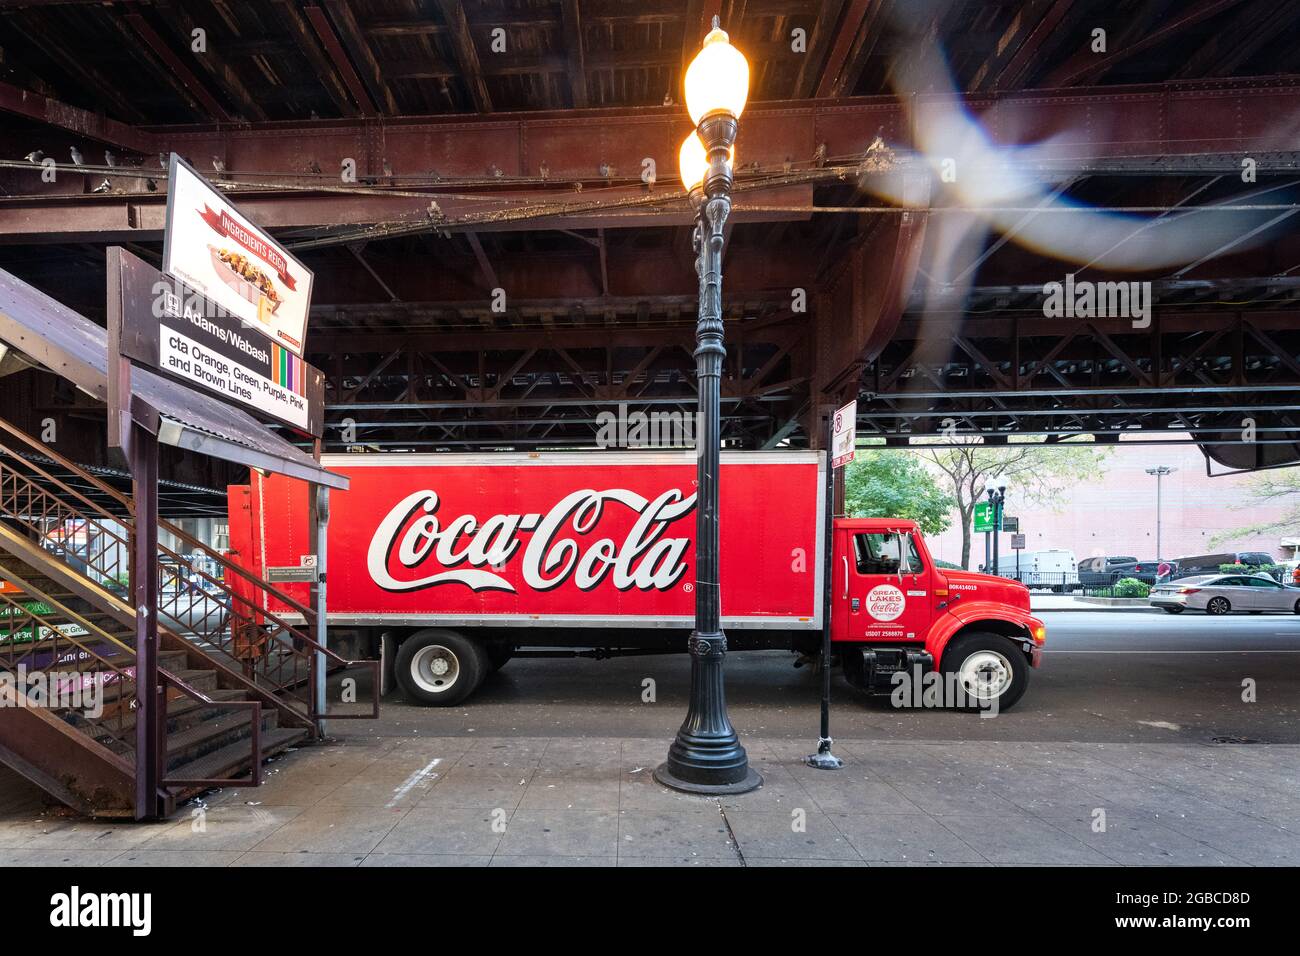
(1130, 609)
(1114, 602)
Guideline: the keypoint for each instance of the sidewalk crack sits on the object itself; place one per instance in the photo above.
(731, 835)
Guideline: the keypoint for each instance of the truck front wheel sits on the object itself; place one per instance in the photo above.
(439, 667)
(988, 667)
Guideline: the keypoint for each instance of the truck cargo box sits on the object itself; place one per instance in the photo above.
(599, 539)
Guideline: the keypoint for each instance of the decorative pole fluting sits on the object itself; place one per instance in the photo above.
(707, 756)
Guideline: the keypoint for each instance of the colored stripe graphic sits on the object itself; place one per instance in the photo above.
(286, 369)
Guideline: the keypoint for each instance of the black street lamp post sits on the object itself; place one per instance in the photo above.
(707, 756)
(997, 495)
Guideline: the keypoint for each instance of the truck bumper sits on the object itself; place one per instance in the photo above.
(872, 669)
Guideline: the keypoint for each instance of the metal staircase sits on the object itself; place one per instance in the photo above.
(237, 681)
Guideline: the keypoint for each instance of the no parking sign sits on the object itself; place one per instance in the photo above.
(844, 430)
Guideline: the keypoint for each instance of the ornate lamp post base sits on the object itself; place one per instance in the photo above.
(706, 756)
(751, 781)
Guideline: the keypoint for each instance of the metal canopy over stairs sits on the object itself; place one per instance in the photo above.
(238, 682)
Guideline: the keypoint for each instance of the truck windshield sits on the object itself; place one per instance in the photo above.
(876, 552)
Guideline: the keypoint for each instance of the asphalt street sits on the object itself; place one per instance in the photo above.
(1107, 676)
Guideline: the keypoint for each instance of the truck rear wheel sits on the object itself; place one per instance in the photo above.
(440, 668)
(988, 667)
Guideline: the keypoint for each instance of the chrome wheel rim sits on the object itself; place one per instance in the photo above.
(435, 669)
(985, 675)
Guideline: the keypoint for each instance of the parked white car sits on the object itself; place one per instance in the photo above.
(1225, 593)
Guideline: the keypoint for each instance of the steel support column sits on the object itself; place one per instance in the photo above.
(150, 753)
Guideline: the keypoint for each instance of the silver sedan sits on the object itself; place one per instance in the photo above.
(1224, 593)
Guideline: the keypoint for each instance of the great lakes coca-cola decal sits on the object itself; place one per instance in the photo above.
(885, 602)
(420, 543)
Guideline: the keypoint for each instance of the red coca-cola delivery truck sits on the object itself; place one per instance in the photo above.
(450, 564)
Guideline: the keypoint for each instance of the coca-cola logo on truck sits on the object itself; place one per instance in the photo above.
(885, 602)
(471, 553)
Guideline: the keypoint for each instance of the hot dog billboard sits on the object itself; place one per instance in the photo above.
(215, 250)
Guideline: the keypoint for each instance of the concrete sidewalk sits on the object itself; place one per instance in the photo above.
(461, 801)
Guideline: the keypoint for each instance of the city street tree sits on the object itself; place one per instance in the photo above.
(896, 484)
(1033, 471)
(1281, 486)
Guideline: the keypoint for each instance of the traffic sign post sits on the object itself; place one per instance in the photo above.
(984, 517)
(844, 432)
(841, 434)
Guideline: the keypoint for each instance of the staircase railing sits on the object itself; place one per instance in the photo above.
(37, 639)
(228, 613)
(254, 779)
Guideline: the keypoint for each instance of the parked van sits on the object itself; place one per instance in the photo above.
(1210, 563)
(1055, 569)
(1100, 571)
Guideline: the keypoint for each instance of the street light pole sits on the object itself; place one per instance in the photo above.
(997, 495)
(1159, 471)
(707, 756)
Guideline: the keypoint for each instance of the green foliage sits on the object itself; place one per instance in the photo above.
(1274, 571)
(1281, 486)
(1033, 472)
(1131, 588)
(895, 484)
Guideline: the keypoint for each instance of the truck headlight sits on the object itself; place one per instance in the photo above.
(1040, 634)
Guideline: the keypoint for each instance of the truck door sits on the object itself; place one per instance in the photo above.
(882, 587)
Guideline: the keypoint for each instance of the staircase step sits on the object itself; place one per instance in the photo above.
(233, 759)
(201, 680)
(184, 711)
(214, 734)
(174, 661)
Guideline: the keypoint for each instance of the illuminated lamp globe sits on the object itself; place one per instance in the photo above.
(717, 79)
(693, 161)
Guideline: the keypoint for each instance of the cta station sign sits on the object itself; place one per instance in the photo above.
(177, 331)
(207, 347)
(228, 312)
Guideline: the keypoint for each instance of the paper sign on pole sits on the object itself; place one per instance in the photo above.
(844, 433)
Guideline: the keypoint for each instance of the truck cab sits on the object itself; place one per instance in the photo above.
(896, 616)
